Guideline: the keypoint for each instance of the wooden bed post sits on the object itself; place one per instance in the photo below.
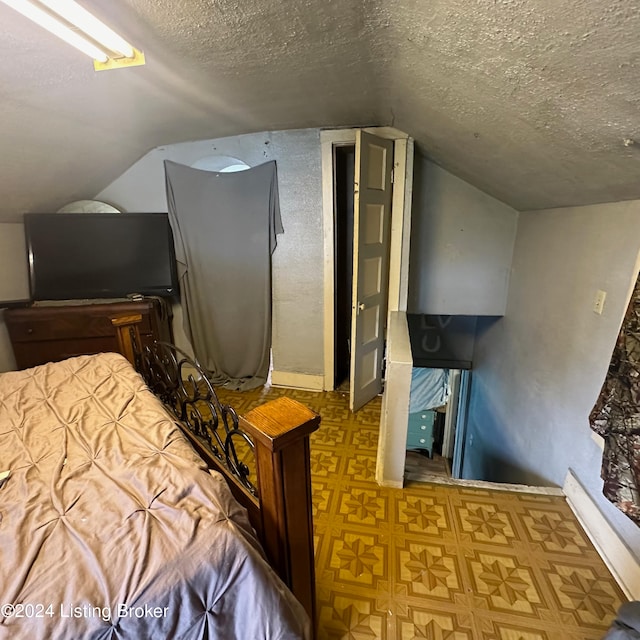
(128, 335)
(280, 430)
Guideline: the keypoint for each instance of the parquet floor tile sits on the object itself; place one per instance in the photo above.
(436, 561)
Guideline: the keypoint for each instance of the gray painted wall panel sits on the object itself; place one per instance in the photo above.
(461, 246)
(538, 370)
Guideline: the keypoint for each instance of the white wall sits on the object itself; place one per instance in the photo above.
(538, 371)
(461, 246)
(14, 281)
(14, 276)
(298, 259)
(7, 361)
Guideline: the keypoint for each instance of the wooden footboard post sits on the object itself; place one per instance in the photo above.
(280, 430)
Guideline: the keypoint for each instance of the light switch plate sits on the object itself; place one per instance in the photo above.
(598, 302)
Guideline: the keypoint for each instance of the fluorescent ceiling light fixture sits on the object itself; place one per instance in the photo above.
(76, 26)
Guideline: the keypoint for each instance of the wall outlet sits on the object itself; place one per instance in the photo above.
(598, 302)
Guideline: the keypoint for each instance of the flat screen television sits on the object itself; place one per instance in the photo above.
(99, 255)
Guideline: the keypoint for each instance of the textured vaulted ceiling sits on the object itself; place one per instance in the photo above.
(530, 100)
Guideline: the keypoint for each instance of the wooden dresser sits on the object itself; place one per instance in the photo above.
(42, 334)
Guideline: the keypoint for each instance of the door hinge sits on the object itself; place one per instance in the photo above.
(393, 176)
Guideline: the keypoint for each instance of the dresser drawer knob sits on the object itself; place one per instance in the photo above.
(423, 427)
(29, 330)
(422, 440)
(424, 416)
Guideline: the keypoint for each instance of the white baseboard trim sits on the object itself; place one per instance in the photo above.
(482, 484)
(390, 484)
(620, 560)
(304, 381)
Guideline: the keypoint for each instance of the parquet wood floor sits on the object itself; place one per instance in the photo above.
(436, 561)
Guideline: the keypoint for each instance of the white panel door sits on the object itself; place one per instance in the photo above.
(372, 225)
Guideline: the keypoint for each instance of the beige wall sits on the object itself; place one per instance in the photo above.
(14, 281)
(14, 277)
(7, 361)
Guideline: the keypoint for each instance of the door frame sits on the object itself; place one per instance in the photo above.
(462, 419)
(400, 227)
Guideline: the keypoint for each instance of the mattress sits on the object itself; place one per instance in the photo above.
(112, 527)
(430, 388)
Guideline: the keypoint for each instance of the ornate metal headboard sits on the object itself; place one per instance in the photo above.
(183, 386)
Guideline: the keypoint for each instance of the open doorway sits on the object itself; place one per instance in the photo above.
(442, 353)
(435, 436)
(363, 228)
(375, 243)
(344, 167)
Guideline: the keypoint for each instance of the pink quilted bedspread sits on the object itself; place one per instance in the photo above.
(110, 524)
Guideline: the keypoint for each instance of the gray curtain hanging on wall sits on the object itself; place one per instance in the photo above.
(224, 227)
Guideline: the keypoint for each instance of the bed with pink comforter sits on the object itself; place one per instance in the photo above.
(110, 524)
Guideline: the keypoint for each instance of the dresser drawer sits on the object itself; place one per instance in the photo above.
(62, 323)
(420, 430)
